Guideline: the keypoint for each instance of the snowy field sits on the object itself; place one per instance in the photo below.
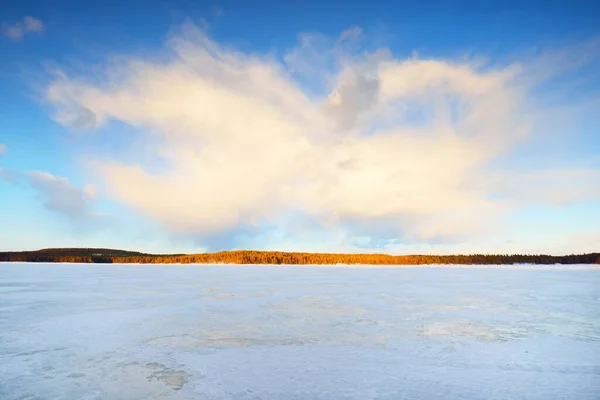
(271, 332)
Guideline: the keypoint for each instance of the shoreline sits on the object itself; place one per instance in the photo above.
(549, 267)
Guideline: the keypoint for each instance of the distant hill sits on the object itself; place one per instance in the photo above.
(97, 255)
(87, 252)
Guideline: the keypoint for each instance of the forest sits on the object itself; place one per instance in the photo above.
(84, 255)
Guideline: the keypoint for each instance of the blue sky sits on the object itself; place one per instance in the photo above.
(183, 126)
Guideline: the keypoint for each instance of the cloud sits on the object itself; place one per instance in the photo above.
(33, 25)
(388, 147)
(61, 196)
(80, 119)
(3, 149)
(19, 29)
(556, 187)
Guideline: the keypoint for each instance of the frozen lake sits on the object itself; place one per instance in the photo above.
(272, 332)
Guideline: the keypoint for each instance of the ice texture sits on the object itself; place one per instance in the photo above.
(74, 331)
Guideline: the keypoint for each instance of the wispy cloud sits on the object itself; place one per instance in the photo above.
(3, 149)
(16, 31)
(397, 146)
(61, 196)
(58, 194)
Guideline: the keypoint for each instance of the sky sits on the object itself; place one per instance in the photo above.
(188, 126)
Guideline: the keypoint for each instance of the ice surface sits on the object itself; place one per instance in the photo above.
(291, 332)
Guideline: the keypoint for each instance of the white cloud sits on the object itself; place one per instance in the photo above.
(398, 142)
(32, 24)
(3, 149)
(61, 196)
(14, 32)
(18, 30)
(355, 32)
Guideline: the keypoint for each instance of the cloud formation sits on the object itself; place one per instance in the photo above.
(18, 30)
(3, 149)
(61, 196)
(384, 146)
(58, 194)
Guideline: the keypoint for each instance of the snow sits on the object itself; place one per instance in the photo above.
(282, 332)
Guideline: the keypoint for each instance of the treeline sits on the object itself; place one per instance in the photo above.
(82, 251)
(276, 257)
